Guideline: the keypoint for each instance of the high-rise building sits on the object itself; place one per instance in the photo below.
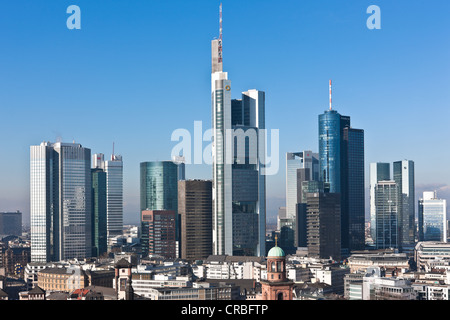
(404, 177)
(432, 218)
(99, 212)
(238, 181)
(323, 224)
(195, 210)
(159, 191)
(114, 192)
(378, 172)
(159, 233)
(341, 163)
(10, 223)
(300, 166)
(387, 215)
(61, 195)
(354, 147)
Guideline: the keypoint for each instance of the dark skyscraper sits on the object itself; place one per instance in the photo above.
(195, 209)
(323, 224)
(99, 212)
(341, 163)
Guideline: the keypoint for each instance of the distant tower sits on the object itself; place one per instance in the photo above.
(277, 286)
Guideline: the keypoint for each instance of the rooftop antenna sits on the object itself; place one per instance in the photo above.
(220, 34)
(330, 94)
(112, 156)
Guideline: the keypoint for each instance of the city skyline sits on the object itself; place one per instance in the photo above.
(390, 92)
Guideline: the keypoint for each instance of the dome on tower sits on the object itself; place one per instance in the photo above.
(276, 252)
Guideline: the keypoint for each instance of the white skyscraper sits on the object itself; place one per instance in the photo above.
(114, 192)
(60, 201)
(239, 205)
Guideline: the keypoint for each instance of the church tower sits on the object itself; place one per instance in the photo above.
(277, 286)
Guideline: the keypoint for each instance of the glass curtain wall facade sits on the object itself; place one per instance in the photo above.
(99, 224)
(114, 193)
(404, 177)
(341, 163)
(378, 172)
(432, 218)
(159, 191)
(61, 202)
(388, 208)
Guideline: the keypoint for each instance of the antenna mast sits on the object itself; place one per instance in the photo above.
(220, 35)
(330, 94)
(112, 156)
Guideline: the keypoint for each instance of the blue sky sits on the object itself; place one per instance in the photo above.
(138, 70)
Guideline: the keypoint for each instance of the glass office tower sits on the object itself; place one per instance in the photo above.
(239, 187)
(378, 172)
(60, 202)
(388, 208)
(432, 218)
(404, 177)
(159, 185)
(354, 146)
(99, 213)
(159, 192)
(341, 163)
(330, 149)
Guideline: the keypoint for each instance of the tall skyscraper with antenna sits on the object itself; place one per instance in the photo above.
(238, 183)
(341, 164)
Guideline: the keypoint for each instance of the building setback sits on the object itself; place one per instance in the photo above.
(195, 210)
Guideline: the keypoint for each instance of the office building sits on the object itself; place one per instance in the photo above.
(159, 234)
(432, 218)
(159, 191)
(323, 225)
(99, 213)
(378, 172)
(195, 210)
(239, 202)
(404, 177)
(114, 192)
(387, 212)
(341, 163)
(300, 167)
(61, 207)
(10, 224)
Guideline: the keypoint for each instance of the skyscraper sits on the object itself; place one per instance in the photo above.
(341, 163)
(378, 172)
(323, 224)
(195, 210)
(114, 192)
(404, 177)
(300, 167)
(238, 182)
(432, 218)
(61, 195)
(99, 212)
(387, 211)
(159, 192)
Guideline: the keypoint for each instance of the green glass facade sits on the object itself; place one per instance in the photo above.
(159, 191)
(99, 225)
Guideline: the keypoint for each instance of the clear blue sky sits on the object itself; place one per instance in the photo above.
(137, 70)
